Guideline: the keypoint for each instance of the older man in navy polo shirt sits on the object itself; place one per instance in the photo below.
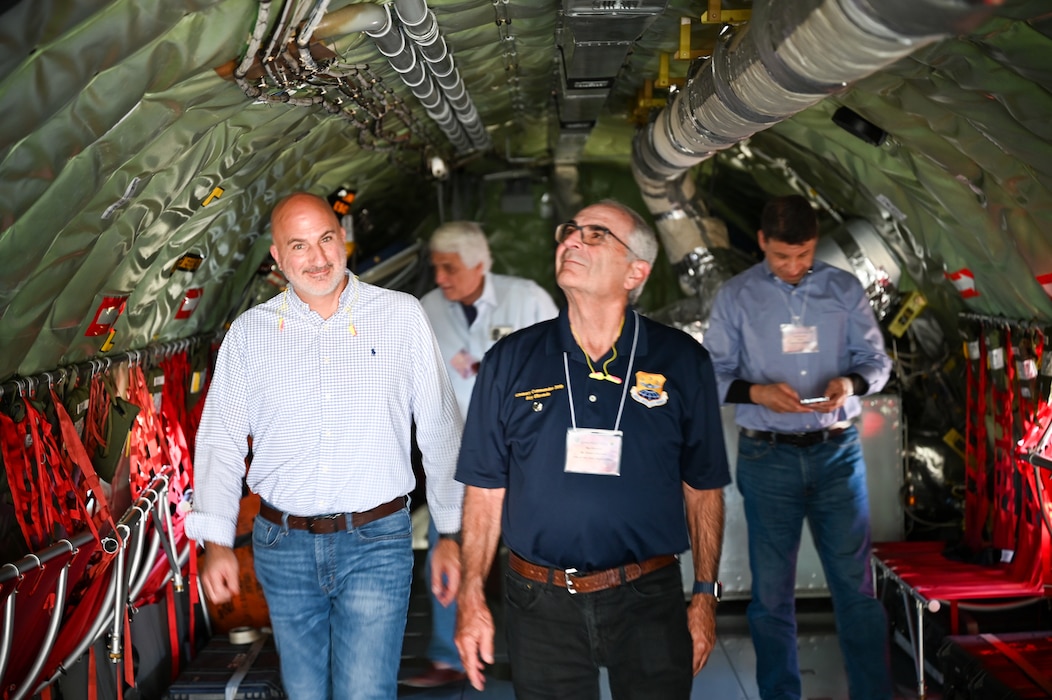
(594, 445)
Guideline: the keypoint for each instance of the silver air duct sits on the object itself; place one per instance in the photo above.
(418, 52)
(790, 57)
(420, 25)
(393, 44)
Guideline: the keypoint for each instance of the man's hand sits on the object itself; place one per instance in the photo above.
(780, 398)
(701, 616)
(838, 390)
(445, 571)
(219, 573)
(474, 636)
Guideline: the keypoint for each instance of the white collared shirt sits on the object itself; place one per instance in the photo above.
(506, 305)
(329, 404)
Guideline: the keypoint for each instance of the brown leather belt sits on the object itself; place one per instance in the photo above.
(794, 439)
(337, 522)
(592, 581)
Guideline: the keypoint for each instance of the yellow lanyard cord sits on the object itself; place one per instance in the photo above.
(604, 374)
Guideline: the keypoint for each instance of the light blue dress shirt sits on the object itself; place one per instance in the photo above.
(745, 340)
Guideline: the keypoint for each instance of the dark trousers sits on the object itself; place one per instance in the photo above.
(557, 641)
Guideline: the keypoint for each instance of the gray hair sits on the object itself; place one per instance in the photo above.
(466, 239)
(642, 241)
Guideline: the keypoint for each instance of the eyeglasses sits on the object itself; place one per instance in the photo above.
(591, 234)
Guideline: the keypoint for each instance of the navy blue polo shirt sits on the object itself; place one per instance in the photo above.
(515, 438)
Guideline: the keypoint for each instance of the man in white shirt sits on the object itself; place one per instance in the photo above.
(327, 379)
(470, 309)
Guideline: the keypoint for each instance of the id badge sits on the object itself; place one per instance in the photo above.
(593, 451)
(799, 339)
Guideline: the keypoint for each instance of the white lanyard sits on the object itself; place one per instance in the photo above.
(796, 320)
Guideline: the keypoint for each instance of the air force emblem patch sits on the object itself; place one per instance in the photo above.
(650, 389)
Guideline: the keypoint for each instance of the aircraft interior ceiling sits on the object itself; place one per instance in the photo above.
(144, 143)
(127, 141)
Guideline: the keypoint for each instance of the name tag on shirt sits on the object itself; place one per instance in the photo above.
(799, 339)
(498, 332)
(593, 451)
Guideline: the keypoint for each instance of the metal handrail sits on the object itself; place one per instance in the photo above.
(52, 628)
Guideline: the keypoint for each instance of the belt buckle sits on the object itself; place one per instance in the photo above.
(569, 581)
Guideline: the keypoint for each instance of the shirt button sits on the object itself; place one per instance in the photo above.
(803, 372)
(325, 360)
(328, 396)
(592, 398)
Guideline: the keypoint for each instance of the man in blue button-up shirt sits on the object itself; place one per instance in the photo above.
(794, 343)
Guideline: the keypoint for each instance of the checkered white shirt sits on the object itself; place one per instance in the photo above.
(329, 411)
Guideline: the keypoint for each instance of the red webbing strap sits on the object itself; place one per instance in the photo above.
(1040, 679)
(49, 498)
(173, 629)
(979, 506)
(95, 419)
(1005, 512)
(177, 418)
(129, 664)
(79, 458)
(972, 356)
(93, 675)
(44, 457)
(176, 370)
(1026, 375)
(1032, 549)
(66, 492)
(147, 444)
(19, 479)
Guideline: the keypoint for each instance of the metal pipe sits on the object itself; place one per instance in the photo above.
(363, 17)
(8, 629)
(420, 25)
(119, 603)
(52, 630)
(32, 561)
(392, 43)
(790, 57)
(166, 517)
(137, 581)
(96, 630)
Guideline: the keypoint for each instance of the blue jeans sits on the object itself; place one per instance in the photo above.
(825, 483)
(442, 649)
(557, 641)
(338, 605)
